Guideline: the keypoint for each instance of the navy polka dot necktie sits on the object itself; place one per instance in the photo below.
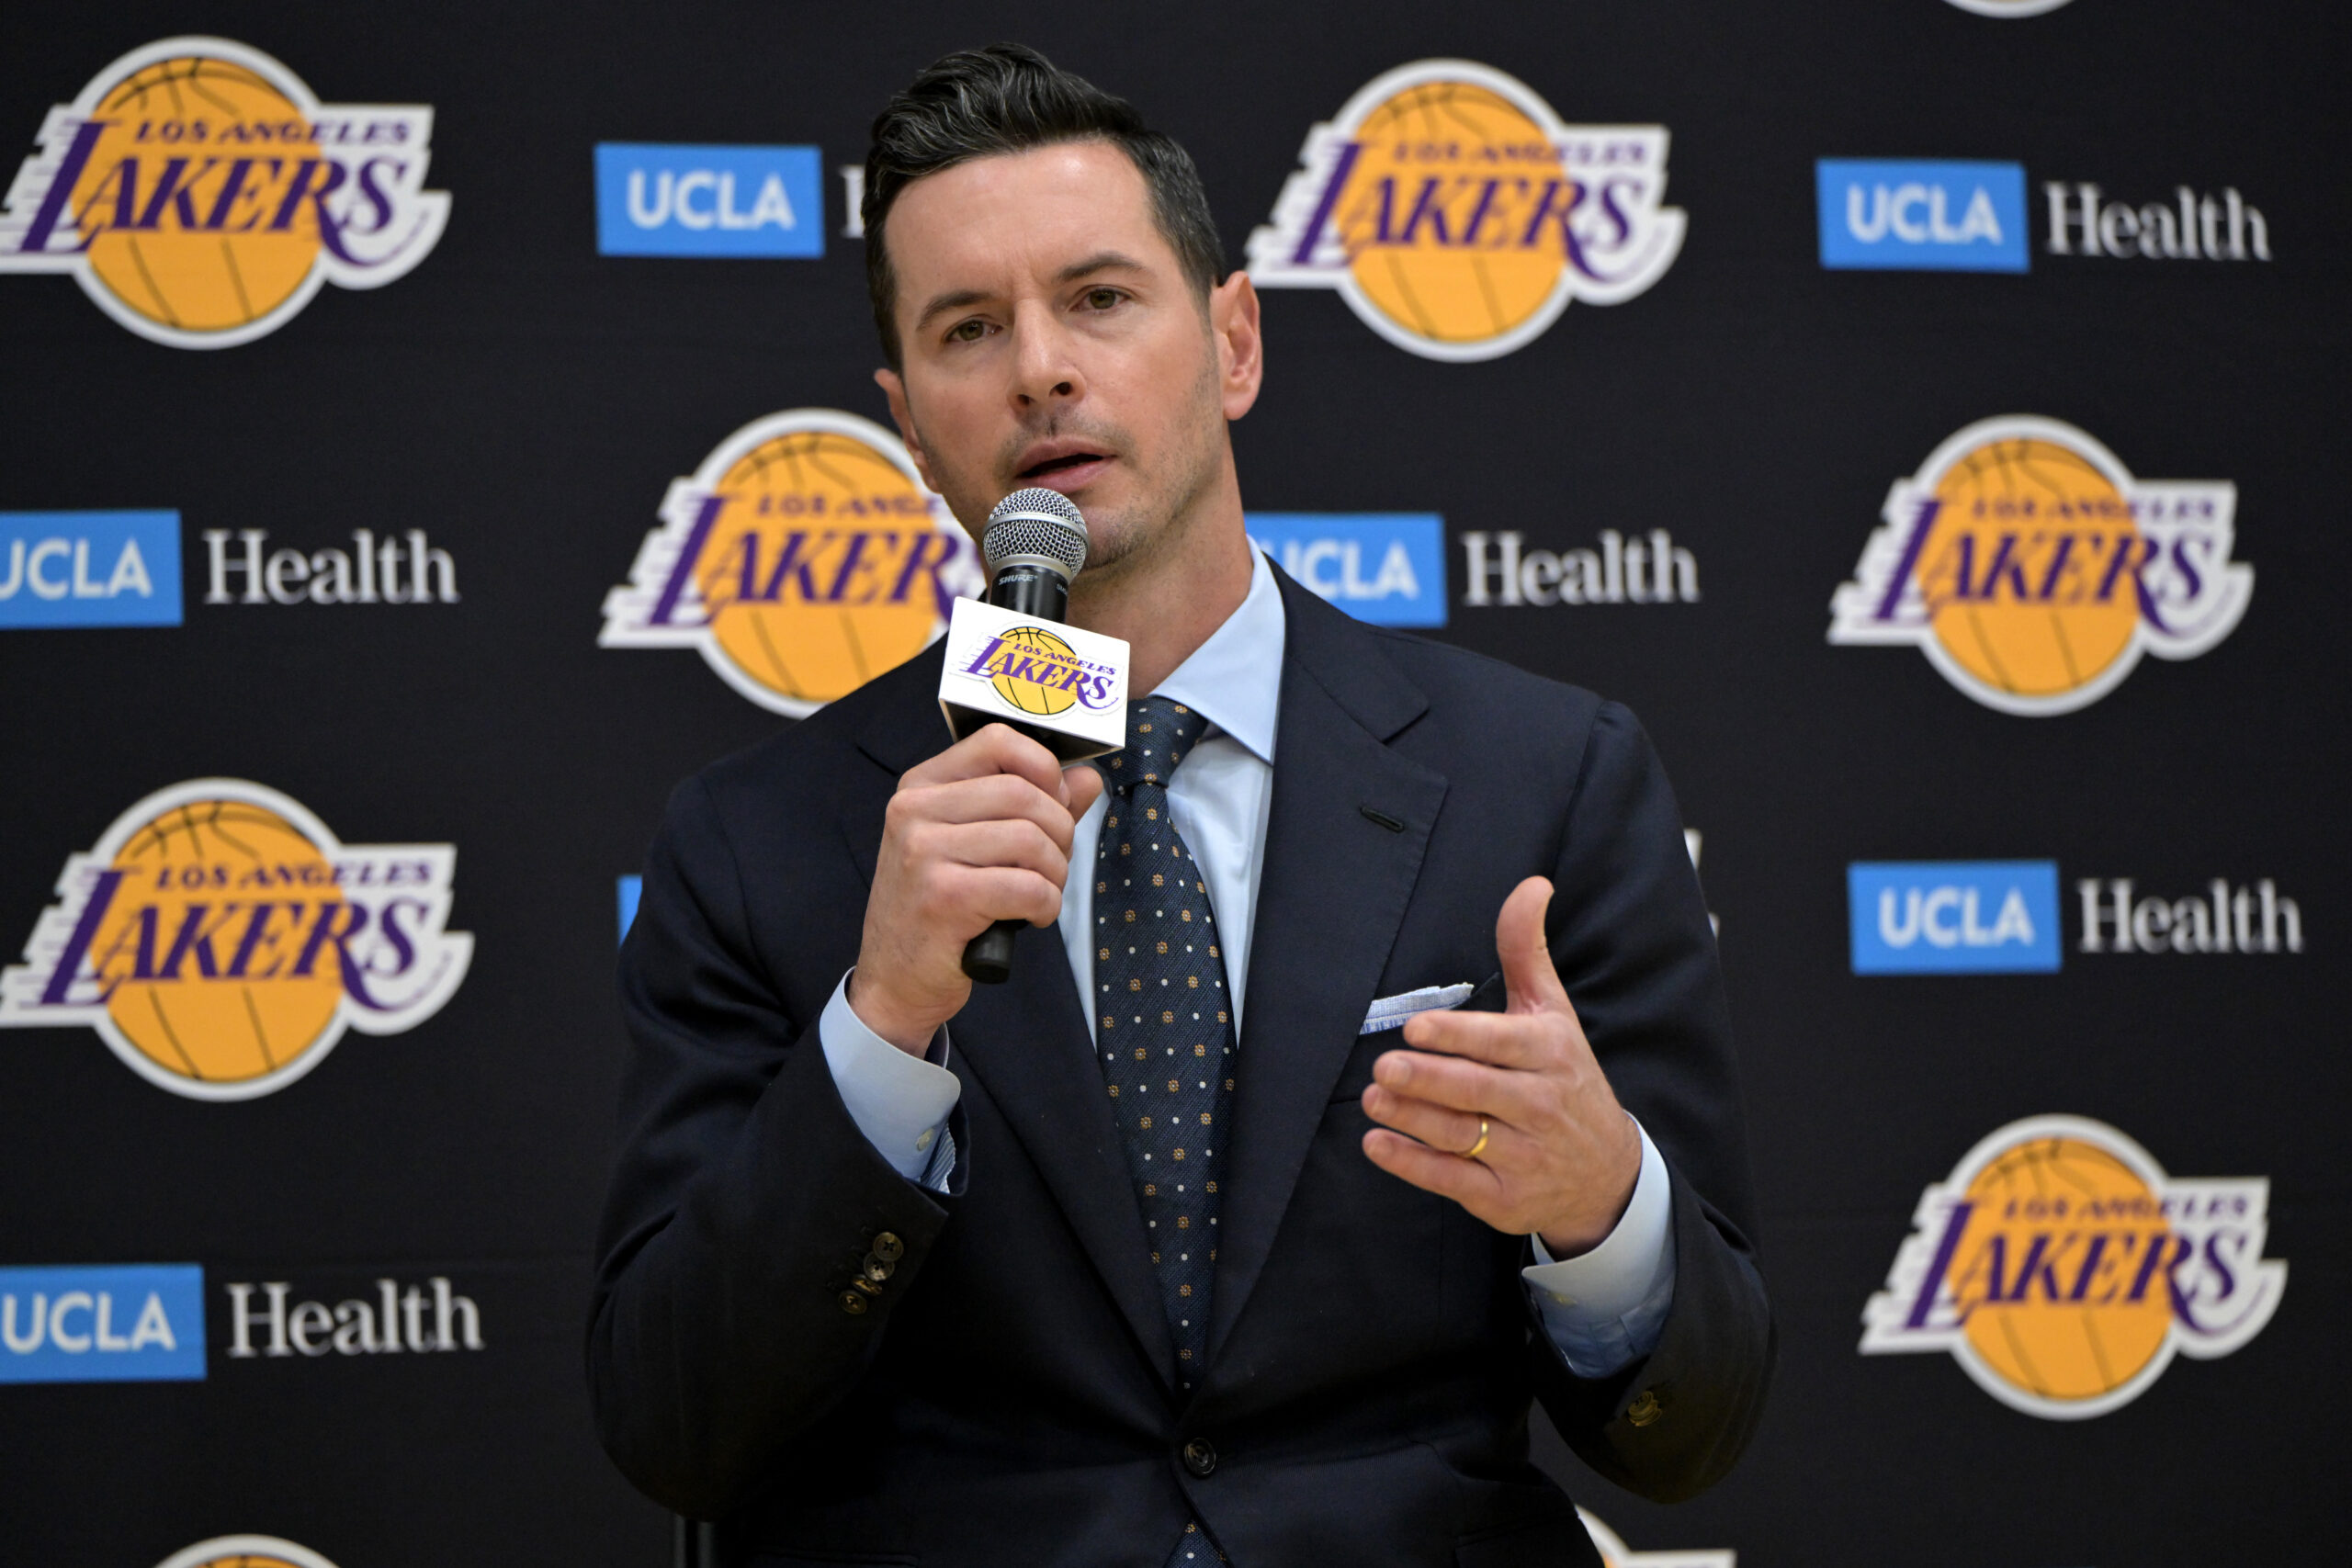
(1164, 1022)
(1163, 1017)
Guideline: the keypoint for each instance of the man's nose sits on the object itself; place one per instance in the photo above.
(1045, 362)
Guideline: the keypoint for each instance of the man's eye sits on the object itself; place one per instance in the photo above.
(1102, 298)
(967, 331)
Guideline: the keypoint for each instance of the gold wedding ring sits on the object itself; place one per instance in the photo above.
(1474, 1150)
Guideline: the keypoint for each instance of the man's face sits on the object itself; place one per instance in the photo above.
(1048, 337)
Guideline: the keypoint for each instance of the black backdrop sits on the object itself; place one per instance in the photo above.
(527, 400)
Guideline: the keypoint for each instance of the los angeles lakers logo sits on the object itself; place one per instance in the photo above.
(1037, 672)
(245, 1552)
(221, 939)
(1458, 216)
(803, 558)
(2033, 571)
(201, 196)
(2064, 1269)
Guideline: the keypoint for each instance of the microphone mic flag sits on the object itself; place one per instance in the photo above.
(1014, 660)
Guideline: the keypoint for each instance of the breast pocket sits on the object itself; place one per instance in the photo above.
(1369, 1048)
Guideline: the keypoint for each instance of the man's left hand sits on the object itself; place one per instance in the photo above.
(1561, 1155)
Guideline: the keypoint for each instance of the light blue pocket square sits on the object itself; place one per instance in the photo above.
(1390, 1012)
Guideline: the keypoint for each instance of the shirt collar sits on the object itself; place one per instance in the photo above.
(1234, 679)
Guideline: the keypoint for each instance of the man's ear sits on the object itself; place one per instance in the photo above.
(903, 417)
(1241, 347)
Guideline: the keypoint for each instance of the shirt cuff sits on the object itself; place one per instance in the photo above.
(1605, 1309)
(900, 1102)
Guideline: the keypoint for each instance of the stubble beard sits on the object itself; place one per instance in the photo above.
(1124, 541)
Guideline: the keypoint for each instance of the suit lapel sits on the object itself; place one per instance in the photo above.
(1332, 895)
(1026, 1042)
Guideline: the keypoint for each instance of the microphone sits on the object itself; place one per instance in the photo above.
(1034, 543)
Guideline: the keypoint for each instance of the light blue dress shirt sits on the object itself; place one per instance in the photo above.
(1604, 1308)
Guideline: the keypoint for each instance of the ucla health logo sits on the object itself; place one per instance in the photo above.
(803, 558)
(110, 1322)
(663, 199)
(221, 939)
(1953, 917)
(1921, 215)
(2063, 1270)
(201, 196)
(245, 1552)
(1458, 216)
(2033, 570)
(1387, 567)
(89, 568)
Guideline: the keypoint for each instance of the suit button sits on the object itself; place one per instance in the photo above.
(1645, 1408)
(876, 1268)
(888, 1248)
(1200, 1457)
(853, 1303)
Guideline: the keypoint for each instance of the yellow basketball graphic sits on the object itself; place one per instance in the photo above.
(149, 204)
(2050, 1320)
(1033, 670)
(194, 985)
(1422, 274)
(2019, 621)
(805, 593)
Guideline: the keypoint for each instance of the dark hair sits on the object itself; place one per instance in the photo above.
(1009, 98)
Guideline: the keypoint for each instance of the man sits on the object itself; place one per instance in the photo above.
(900, 1270)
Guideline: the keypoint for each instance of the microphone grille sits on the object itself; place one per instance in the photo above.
(1036, 522)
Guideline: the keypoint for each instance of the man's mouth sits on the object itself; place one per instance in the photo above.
(1057, 465)
(1054, 464)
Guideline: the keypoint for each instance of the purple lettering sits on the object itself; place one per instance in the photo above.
(256, 932)
(2004, 563)
(919, 555)
(852, 559)
(60, 190)
(375, 193)
(2091, 1254)
(195, 938)
(77, 945)
(1932, 1281)
(2057, 567)
(1912, 547)
(2121, 563)
(979, 666)
(1426, 205)
(175, 186)
(790, 560)
(232, 188)
(2155, 1262)
(682, 572)
(1478, 213)
(1329, 200)
(323, 934)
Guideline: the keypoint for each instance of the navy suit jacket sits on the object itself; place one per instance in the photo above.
(1007, 1395)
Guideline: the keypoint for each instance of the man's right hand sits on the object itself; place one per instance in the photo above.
(977, 834)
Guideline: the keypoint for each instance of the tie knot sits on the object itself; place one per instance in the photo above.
(1161, 733)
